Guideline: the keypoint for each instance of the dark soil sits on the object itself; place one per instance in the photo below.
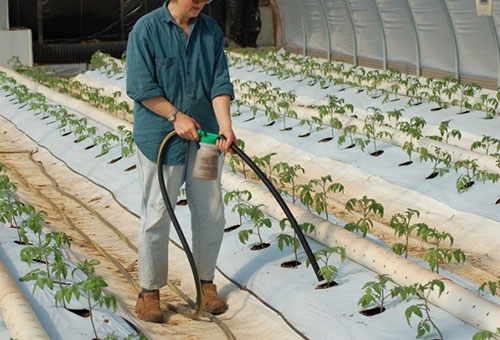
(231, 228)
(498, 201)
(101, 154)
(395, 99)
(325, 140)
(182, 202)
(377, 96)
(66, 134)
(249, 119)
(90, 147)
(22, 243)
(372, 311)
(84, 313)
(327, 285)
(287, 129)
(405, 163)
(463, 112)
(350, 146)
(269, 124)
(468, 185)
(305, 135)
(437, 108)
(290, 264)
(115, 160)
(433, 175)
(131, 168)
(260, 246)
(377, 153)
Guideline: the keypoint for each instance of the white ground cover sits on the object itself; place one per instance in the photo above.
(4, 332)
(319, 314)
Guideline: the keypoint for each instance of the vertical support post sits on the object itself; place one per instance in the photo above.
(354, 39)
(497, 45)
(417, 40)
(384, 39)
(81, 19)
(454, 38)
(39, 20)
(4, 15)
(327, 28)
(122, 20)
(304, 36)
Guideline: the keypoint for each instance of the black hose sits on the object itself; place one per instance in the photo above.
(175, 222)
(284, 207)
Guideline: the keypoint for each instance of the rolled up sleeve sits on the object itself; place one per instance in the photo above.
(141, 74)
(222, 82)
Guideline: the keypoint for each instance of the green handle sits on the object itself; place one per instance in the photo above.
(207, 137)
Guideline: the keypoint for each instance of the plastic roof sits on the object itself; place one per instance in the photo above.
(422, 35)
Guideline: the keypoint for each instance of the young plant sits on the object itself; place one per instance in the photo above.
(321, 196)
(287, 175)
(487, 104)
(486, 143)
(439, 157)
(376, 293)
(259, 220)
(395, 114)
(403, 228)
(240, 197)
(235, 160)
(465, 181)
(91, 288)
(421, 309)
(413, 129)
(436, 255)
(328, 271)
(126, 141)
(372, 131)
(445, 132)
(492, 286)
(367, 206)
(292, 241)
(487, 335)
(349, 131)
(265, 161)
(306, 194)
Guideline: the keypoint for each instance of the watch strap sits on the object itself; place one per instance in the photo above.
(171, 116)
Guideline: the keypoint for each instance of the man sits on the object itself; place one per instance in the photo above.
(178, 77)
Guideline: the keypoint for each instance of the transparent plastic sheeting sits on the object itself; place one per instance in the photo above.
(59, 323)
(319, 314)
(437, 24)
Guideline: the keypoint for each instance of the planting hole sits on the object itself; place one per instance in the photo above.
(377, 153)
(350, 146)
(131, 168)
(498, 201)
(372, 311)
(22, 243)
(260, 246)
(287, 129)
(473, 306)
(464, 112)
(84, 313)
(115, 160)
(101, 154)
(436, 108)
(431, 176)
(304, 135)
(326, 285)
(290, 264)
(90, 147)
(270, 123)
(231, 228)
(459, 300)
(66, 134)
(325, 140)
(405, 163)
(182, 202)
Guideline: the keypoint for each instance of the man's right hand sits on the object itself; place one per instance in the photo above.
(186, 126)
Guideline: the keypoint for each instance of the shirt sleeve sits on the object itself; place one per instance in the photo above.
(222, 82)
(141, 74)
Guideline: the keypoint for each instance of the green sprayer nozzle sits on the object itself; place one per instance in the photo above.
(207, 137)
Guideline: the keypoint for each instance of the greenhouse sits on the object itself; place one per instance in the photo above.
(324, 166)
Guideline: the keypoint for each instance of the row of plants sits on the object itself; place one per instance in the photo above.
(108, 65)
(67, 123)
(376, 83)
(377, 292)
(373, 130)
(74, 88)
(49, 250)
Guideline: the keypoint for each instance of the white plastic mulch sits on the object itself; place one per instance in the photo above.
(318, 314)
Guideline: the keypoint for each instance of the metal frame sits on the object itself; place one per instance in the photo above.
(497, 44)
(304, 35)
(454, 35)
(384, 39)
(417, 39)
(354, 39)
(327, 26)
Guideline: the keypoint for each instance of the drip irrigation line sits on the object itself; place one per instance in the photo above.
(103, 252)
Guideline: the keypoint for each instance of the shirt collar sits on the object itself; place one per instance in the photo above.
(167, 17)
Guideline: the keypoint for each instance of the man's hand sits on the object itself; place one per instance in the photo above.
(186, 126)
(225, 145)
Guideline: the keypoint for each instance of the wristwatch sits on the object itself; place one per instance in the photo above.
(171, 116)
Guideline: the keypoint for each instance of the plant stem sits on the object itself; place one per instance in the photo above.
(91, 315)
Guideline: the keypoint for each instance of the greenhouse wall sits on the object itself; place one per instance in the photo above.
(433, 38)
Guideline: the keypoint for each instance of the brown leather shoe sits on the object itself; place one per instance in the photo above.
(212, 302)
(148, 307)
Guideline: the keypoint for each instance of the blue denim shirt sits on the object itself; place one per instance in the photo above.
(188, 72)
